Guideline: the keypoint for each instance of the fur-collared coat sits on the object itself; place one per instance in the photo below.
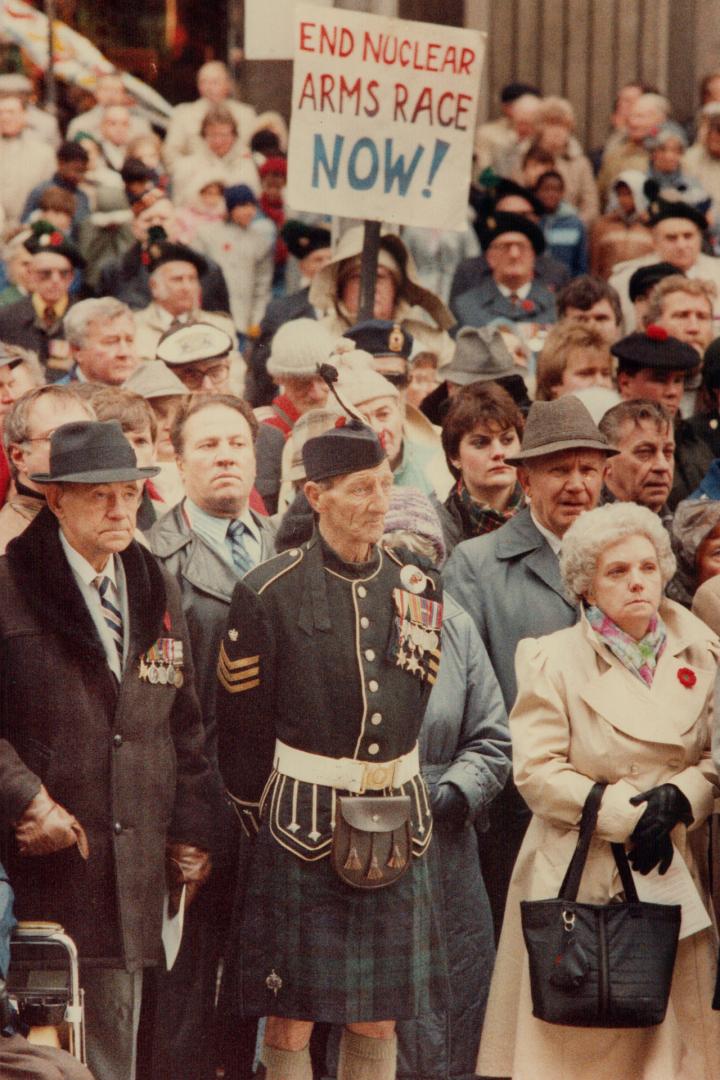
(127, 759)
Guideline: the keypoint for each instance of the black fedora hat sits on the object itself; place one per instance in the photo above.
(91, 452)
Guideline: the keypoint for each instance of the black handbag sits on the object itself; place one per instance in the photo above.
(599, 965)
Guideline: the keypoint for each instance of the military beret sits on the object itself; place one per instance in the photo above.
(349, 448)
(656, 349)
(302, 239)
(665, 209)
(197, 341)
(45, 237)
(496, 224)
(165, 251)
(646, 278)
(381, 337)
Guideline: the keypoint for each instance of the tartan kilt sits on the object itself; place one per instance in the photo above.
(344, 955)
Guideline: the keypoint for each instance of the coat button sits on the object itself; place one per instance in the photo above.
(364, 622)
(373, 748)
(117, 828)
(370, 654)
(376, 718)
(362, 592)
(372, 686)
(117, 740)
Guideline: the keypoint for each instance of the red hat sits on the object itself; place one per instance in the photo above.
(274, 166)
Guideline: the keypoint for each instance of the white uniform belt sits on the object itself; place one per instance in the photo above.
(346, 774)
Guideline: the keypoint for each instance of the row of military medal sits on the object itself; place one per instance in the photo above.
(162, 663)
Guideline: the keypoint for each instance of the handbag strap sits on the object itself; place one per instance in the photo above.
(621, 861)
(571, 881)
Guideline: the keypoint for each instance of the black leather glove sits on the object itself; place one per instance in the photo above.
(449, 805)
(666, 806)
(645, 857)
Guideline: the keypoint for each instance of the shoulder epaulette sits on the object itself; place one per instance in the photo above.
(263, 575)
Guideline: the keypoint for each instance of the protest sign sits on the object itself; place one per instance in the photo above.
(269, 28)
(383, 117)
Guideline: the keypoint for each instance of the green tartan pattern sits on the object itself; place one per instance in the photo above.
(343, 955)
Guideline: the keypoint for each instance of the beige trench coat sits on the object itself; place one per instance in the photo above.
(581, 716)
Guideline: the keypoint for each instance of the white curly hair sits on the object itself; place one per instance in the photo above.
(595, 530)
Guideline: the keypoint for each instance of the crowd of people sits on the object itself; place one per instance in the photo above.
(318, 623)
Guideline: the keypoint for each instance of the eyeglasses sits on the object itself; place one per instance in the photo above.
(509, 245)
(194, 377)
(45, 275)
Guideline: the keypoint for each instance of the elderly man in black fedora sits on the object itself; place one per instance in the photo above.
(102, 770)
(509, 581)
(325, 670)
(511, 243)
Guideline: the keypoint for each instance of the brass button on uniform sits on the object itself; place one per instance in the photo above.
(362, 592)
(117, 828)
(370, 654)
(117, 740)
(376, 718)
(364, 622)
(372, 686)
(373, 748)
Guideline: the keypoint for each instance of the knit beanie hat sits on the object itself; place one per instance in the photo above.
(298, 347)
(411, 511)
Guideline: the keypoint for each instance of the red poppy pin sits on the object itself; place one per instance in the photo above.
(167, 623)
(56, 238)
(527, 305)
(657, 333)
(687, 677)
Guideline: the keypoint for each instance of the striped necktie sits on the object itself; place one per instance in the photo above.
(112, 616)
(240, 557)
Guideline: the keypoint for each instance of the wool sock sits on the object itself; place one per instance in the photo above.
(286, 1064)
(362, 1058)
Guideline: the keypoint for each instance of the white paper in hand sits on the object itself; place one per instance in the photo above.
(675, 887)
(172, 929)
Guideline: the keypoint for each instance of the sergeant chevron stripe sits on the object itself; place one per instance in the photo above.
(237, 675)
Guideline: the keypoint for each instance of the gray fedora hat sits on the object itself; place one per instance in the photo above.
(91, 452)
(563, 424)
(481, 355)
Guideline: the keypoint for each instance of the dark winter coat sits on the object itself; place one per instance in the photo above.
(126, 759)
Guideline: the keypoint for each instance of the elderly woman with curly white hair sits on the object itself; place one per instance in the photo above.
(622, 697)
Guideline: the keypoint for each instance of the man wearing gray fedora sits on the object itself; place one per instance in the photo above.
(480, 356)
(102, 771)
(509, 581)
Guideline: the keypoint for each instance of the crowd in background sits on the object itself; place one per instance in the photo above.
(161, 280)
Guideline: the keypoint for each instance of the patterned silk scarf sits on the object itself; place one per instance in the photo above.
(483, 519)
(639, 657)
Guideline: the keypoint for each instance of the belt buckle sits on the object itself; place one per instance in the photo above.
(377, 775)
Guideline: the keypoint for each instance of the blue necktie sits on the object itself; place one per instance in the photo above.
(240, 556)
(112, 616)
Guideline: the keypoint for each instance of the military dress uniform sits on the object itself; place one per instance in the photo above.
(320, 697)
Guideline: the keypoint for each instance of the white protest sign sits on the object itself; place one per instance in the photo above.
(383, 117)
(269, 28)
